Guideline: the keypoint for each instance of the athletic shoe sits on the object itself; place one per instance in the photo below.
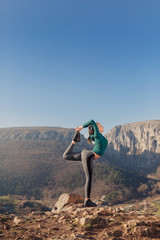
(76, 137)
(89, 203)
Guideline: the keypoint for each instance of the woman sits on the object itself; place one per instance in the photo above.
(87, 156)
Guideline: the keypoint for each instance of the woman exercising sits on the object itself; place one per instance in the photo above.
(87, 156)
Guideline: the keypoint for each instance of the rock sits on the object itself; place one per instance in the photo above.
(109, 209)
(78, 211)
(133, 222)
(37, 213)
(68, 209)
(39, 220)
(130, 225)
(121, 209)
(75, 198)
(118, 210)
(55, 216)
(85, 213)
(84, 221)
(104, 211)
(65, 199)
(18, 220)
(48, 213)
(61, 219)
(76, 220)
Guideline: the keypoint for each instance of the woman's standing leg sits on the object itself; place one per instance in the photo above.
(87, 161)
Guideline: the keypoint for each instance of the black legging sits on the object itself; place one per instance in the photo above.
(86, 156)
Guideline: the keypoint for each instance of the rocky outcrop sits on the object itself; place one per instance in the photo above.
(57, 134)
(75, 222)
(135, 146)
(64, 200)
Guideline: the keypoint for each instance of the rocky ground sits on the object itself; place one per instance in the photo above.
(69, 220)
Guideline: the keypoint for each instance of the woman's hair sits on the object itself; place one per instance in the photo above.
(100, 127)
(89, 140)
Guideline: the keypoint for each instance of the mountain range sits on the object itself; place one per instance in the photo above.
(31, 162)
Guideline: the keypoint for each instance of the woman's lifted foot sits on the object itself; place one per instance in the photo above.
(76, 137)
(89, 203)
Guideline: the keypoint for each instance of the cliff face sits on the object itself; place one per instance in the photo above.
(62, 136)
(135, 146)
(36, 133)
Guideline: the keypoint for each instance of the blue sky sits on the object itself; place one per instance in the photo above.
(64, 62)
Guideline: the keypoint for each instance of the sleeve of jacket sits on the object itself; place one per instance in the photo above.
(94, 125)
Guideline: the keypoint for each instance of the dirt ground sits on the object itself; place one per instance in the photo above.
(75, 222)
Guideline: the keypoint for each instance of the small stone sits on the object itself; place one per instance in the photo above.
(85, 213)
(48, 213)
(76, 220)
(121, 209)
(85, 221)
(109, 209)
(17, 220)
(55, 216)
(102, 211)
(117, 210)
(38, 220)
(61, 219)
(130, 225)
(68, 209)
(133, 222)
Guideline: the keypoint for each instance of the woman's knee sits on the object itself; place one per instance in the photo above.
(87, 154)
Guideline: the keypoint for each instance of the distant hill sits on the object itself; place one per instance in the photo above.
(31, 158)
(31, 164)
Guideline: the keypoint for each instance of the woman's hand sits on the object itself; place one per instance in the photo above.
(78, 129)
